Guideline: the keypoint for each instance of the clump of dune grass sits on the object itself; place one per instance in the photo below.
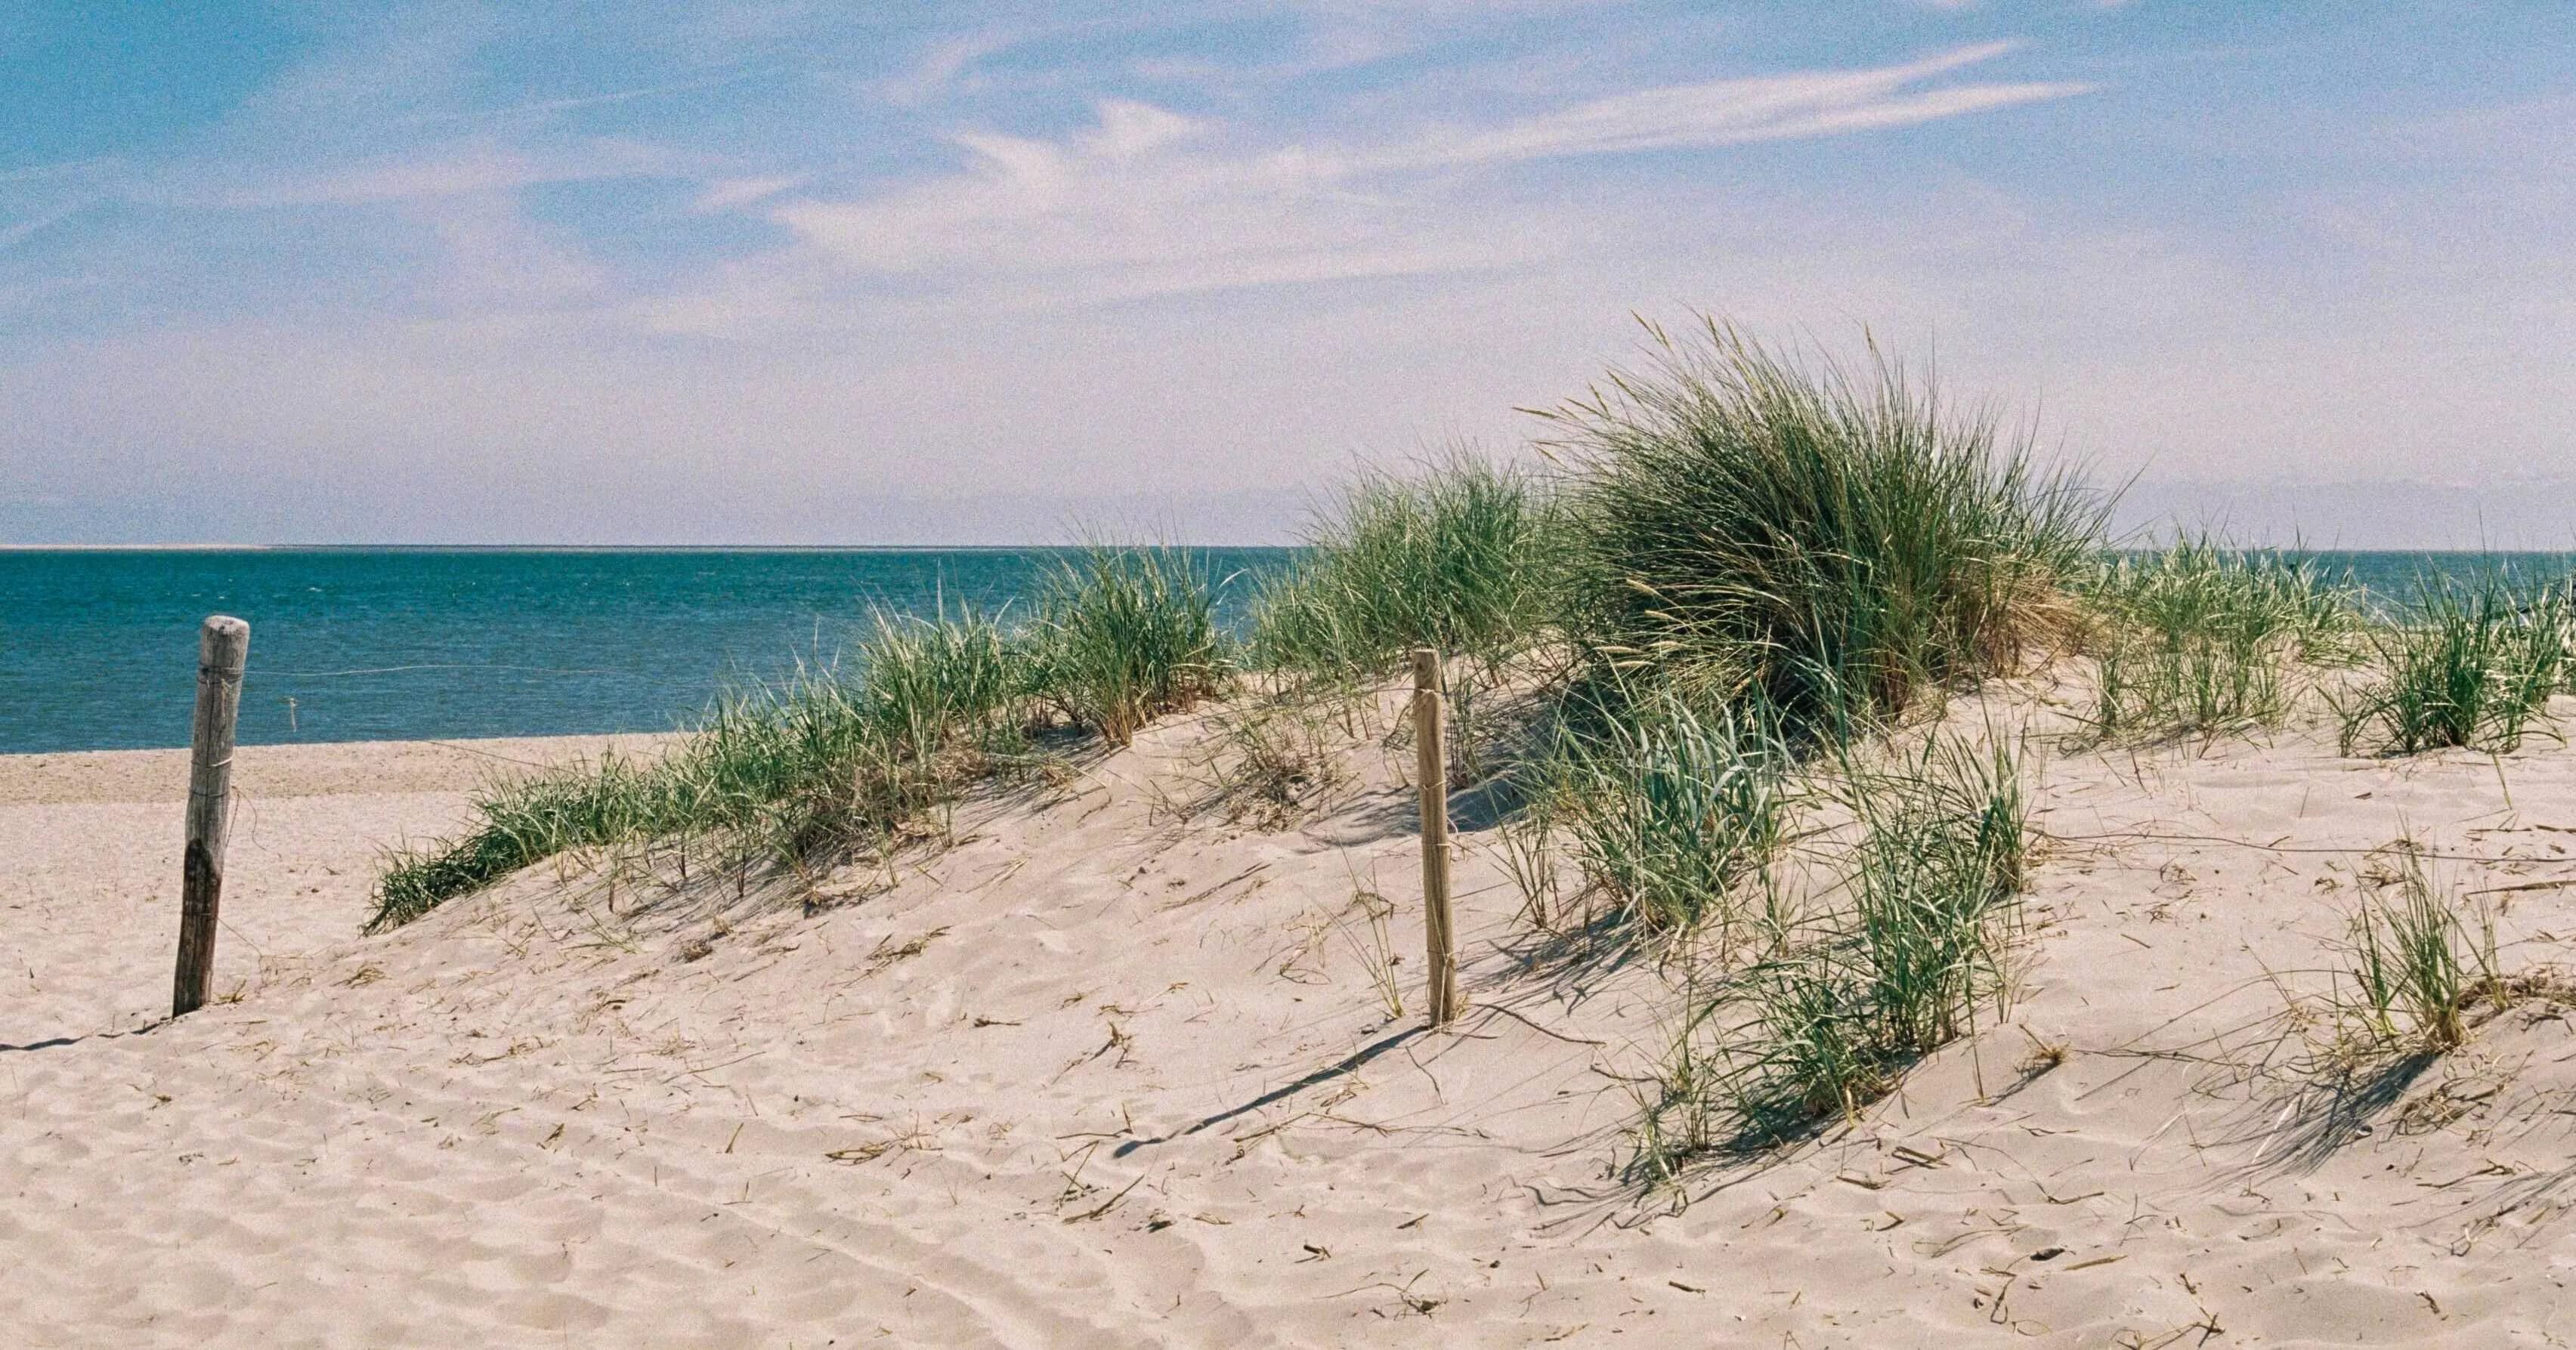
(2414, 966)
(523, 822)
(1372, 940)
(1837, 539)
(2197, 583)
(926, 681)
(2199, 639)
(1944, 853)
(779, 773)
(2418, 970)
(1464, 556)
(1668, 807)
(1126, 635)
(1920, 944)
(1680, 1103)
(822, 762)
(771, 774)
(2467, 663)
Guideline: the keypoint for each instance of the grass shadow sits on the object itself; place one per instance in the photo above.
(2324, 1113)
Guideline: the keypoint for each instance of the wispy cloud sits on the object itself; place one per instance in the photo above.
(1149, 201)
(1733, 112)
(1146, 202)
(549, 106)
(940, 70)
(18, 232)
(727, 194)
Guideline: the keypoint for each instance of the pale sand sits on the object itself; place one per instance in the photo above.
(1105, 1075)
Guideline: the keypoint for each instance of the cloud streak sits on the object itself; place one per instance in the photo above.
(1733, 112)
(1150, 202)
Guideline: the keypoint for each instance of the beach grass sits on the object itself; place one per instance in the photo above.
(776, 772)
(1668, 809)
(1462, 555)
(2414, 965)
(1839, 540)
(1917, 948)
(927, 680)
(2196, 638)
(1944, 853)
(824, 761)
(2465, 664)
(522, 822)
(1126, 635)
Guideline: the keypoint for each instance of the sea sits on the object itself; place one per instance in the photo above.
(98, 647)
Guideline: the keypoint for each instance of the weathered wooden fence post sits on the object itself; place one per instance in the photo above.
(223, 647)
(1432, 774)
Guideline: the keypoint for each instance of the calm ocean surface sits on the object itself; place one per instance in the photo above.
(98, 649)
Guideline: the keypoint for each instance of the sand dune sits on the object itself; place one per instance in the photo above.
(1108, 1072)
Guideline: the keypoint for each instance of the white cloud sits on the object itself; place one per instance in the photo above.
(1145, 203)
(1152, 202)
(726, 194)
(942, 69)
(1733, 112)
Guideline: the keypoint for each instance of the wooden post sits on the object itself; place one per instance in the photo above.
(1432, 773)
(223, 646)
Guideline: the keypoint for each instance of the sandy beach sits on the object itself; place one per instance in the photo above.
(1114, 1070)
(1477, 676)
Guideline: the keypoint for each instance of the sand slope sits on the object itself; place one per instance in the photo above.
(1110, 1073)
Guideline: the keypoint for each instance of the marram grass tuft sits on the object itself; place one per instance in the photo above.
(824, 761)
(1125, 636)
(2469, 664)
(1839, 541)
(1465, 556)
(2199, 639)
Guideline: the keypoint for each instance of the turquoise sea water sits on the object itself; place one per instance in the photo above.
(2391, 578)
(98, 649)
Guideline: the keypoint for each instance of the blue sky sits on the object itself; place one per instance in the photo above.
(783, 272)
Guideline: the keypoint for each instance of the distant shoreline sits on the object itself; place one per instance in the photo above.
(138, 548)
(273, 773)
(476, 744)
(264, 747)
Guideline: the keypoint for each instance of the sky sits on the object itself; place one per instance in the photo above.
(784, 273)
